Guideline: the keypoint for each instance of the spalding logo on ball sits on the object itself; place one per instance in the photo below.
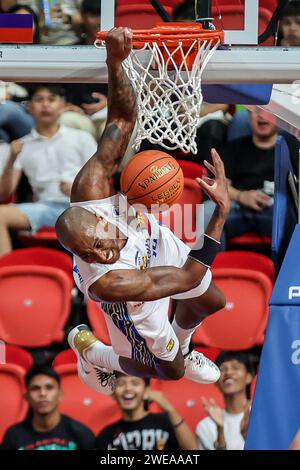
(152, 178)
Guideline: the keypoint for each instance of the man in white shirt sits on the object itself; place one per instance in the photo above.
(225, 429)
(43, 156)
(4, 155)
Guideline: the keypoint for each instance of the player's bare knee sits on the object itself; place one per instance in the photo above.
(177, 373)
(173, 370)
(173, 373)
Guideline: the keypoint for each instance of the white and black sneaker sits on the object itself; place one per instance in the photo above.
(98, 378)
(199, 368)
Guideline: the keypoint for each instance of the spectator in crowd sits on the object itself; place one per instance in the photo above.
(87, 104)
(251, 178)
(290, 25)
(15, 121)
(63, 19)
(45, 428)
(4, 155)
(140, 430)
(90, 13)
(59, 25)
(42, 156)
(5, 5)
(225, 429)
(240, 125)
(23, 9)
(86, 108)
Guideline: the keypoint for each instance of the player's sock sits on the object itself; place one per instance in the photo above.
(103, 356)
(184, 336)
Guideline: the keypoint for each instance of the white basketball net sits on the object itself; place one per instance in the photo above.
(169, 101)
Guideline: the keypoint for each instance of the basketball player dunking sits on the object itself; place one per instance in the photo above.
(133, 274)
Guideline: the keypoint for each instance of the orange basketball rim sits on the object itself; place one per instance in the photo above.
(167, 81)
(170, 35)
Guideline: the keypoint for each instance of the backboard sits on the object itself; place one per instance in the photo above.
(242, 61)
(241, 13)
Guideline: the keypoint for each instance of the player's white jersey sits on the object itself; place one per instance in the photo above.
(148, 244)
(143, 325)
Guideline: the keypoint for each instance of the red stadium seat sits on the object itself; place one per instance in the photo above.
(268, 4)
(97, 321)
(138, 16)
(251, 240)
(191, 193)
(168, 3)
(13, 404)
(45, 236)
(192, 169)
(241, 324)
(65, 357)
(19, 356)
(232, 18)
(245, 260)
(181, 218)
(34, 305)
(39, 257)
(80, 402)
(186, 398)
(211, 353)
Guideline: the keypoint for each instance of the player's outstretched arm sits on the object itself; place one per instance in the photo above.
(92, 182)
(142, 286)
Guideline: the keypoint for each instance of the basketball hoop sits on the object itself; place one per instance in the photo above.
(168, 83)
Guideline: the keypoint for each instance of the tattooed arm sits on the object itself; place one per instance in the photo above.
(92, 182)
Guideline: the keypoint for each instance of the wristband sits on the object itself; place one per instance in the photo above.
(208, 251)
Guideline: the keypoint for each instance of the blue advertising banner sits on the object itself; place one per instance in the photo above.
(275, 414)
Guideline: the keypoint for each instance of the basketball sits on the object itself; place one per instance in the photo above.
(152, 178)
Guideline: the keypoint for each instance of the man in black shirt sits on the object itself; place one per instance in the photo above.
(45, 428)
(249, 167)
(140, 430)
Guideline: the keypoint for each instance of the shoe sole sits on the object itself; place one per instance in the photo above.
(214, 370)
(203, 382)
